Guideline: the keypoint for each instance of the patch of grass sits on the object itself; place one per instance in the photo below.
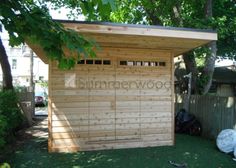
(195, 151)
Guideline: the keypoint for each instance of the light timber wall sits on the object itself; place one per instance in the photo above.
(121, 99)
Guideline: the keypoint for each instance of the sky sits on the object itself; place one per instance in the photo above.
(224, 62)
(62, 14)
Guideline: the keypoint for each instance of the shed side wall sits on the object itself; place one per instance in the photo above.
(99, 106)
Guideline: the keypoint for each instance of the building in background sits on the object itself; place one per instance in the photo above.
(223, 80)
(19, 59)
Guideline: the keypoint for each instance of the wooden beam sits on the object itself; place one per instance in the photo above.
(139, 31)
(38, 51)
(177, 41)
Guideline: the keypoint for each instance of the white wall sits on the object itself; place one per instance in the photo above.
(21, 72)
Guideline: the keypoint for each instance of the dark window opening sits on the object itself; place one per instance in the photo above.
(80, 62)
(41, 77)
(89, 61)
(123, 62)
(106, 62)
(98, 62)
(14, 63)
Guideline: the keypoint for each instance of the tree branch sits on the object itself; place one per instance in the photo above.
(152, 14)
(209, 67)
(191, 66)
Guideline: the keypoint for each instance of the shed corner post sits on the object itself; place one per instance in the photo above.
(173, 96)
(50, 146)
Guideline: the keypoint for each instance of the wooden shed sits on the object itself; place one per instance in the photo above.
(123, 98)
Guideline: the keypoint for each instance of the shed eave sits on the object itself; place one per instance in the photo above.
(141, 31)
(175, 40)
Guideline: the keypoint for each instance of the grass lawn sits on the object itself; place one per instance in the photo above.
(195, 151)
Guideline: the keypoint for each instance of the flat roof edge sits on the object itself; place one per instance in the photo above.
(137, 26)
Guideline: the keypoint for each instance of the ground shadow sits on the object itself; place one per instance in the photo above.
(194, 151)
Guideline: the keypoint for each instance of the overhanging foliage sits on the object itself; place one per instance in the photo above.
(30, 20)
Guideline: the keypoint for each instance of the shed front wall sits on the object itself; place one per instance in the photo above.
(121, 99)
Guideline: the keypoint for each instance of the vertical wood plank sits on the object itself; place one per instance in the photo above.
(172, 97)
(50, 107)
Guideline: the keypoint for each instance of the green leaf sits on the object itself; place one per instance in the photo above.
(111, 3)
(92, 54)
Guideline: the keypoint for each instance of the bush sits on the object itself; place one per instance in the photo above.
(3, 129)
(5, 165)
(10, 115)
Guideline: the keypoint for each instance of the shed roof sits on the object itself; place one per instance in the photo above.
(224, 75)
(221, 75)
(176, 40)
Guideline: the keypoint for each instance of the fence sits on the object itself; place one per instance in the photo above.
(26, 99)
(25, 96)
(215, 113)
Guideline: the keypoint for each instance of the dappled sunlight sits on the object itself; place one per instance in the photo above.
(40, 131)
(65, 130)
(230, 102)
(194, 151)
(100, 105)
(178, 98)
(234, 126)
(215, 105)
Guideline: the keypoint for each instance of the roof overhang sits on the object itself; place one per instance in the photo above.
(176, 40)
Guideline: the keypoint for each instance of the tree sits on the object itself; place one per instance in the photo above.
(30, 21)
(208, 14)
(7, 77)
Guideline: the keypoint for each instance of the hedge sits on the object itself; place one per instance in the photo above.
(10, 116)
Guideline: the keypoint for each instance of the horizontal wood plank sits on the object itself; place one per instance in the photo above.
(114, 106)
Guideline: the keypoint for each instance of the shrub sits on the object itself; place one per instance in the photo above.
(5, 165)
(10, 115)
(3, 129)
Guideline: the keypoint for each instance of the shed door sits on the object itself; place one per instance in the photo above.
(101, 93)
(143, 99)
(128, 99)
